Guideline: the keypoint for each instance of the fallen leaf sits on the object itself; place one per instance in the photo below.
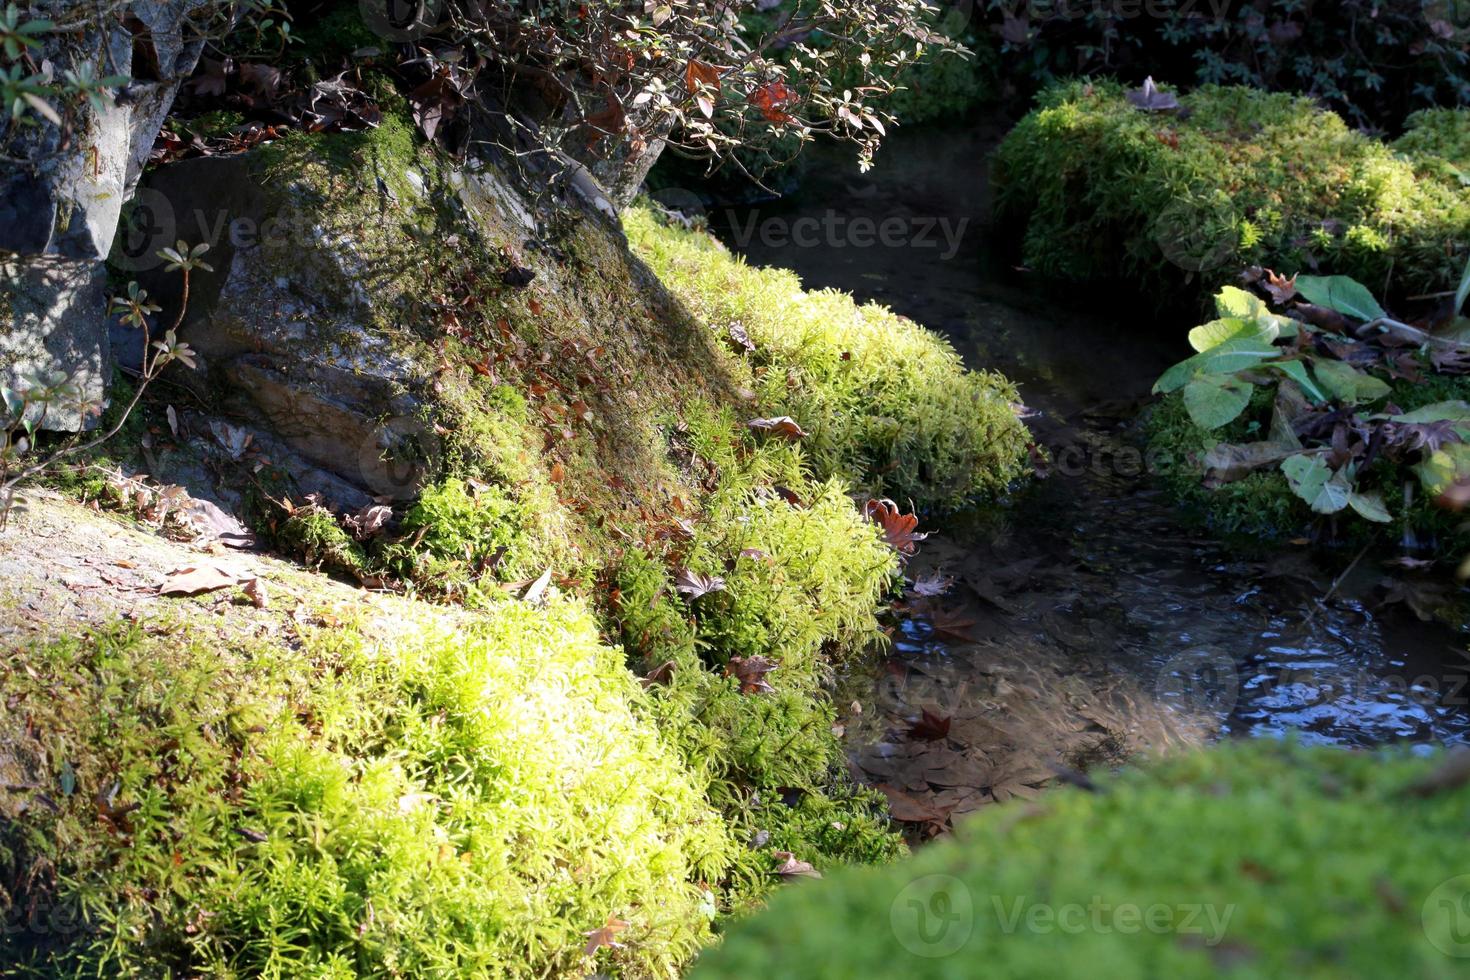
(605, 935)
(194, 579)
(1150, 99)
(899, 529)
(783, 425)
(909, 809)
(933, 585)
(751, 673)
(953, 624)
(255, 588)
(695, 584)
(930, 727)
(537, 588)
(790, 867)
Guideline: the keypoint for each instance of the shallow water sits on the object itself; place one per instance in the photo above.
(1121, 627)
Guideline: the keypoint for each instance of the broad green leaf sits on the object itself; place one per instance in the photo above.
(1216, 332)
(1341, 293)
(1370, 505)
(1312, 480)
(1454, 411)
(1297, 371)
(1347, 384)
(1463, 293)
(1233, 355)
(1214, 400)
(1307, 475)
(1234, 303)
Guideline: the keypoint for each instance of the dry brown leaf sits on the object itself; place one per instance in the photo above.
(194, 579)
(255, 588)
(790, 867)
(781, 425)
(605, 935)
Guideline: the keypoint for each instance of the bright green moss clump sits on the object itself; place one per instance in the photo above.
(799, 585)
(1252, 860)
(886, 404)
(1239, 178)
(411, 797)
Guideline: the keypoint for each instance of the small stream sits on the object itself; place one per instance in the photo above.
(1087, 622)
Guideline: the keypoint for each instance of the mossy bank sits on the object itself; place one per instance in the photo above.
(593, 720)
(1252, 860)
(1233, 177)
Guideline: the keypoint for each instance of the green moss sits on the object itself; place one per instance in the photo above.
(887, 405)
(1244, 178)
(1434, 135)
(413, 796)
(1251, 860)
(313, 534)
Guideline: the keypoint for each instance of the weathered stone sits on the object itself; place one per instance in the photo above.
(49, 324)
(64, 204)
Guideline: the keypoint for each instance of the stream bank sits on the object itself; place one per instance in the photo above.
(1087, 621)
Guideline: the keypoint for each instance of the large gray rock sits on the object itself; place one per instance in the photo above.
(59, 209)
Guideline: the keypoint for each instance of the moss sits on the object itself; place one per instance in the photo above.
(887, 405)
(416, 796)
(1250, 860)
(1438, 135)
(312, 533)
(592, 424)
(1241, 178)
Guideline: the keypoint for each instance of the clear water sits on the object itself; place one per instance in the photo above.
(1092, 598)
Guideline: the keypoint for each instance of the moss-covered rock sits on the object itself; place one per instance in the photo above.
(1239, 177)
(1251, 860)
(886, 404)
(429, 394)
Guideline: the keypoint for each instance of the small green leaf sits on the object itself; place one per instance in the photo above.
(1341, 293)
(68, 779)
(1216, 332)
(1453, 411)
(1370, 505)
(1214, 400)
(1235, 354)
(1312, 480)
(1297, 371)
(1347, 384)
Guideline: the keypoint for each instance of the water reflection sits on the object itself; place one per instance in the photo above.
(1098, 625)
